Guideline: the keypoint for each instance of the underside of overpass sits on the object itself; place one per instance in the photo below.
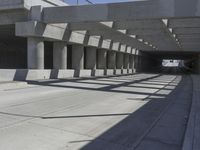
(118, 76)
(50, 38)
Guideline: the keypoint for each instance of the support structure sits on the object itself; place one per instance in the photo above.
(126, 61)
(119, 60)
(118, 30)
(131, 61)
(35, 54)
(101, 59)
(111, 58)
(60, 55)
(77, 57)
(91, 53)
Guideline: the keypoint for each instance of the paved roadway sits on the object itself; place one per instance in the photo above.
(141, 111)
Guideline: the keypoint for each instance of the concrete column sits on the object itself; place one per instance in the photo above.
(91, 53)
(131, 61)
(77, 57)
(139, 63)
(119, 60)
(102, 59)
(111, 60)
(60, 55)
(35, 54)
(126, 61)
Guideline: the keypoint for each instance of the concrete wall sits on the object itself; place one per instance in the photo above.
(30, 74)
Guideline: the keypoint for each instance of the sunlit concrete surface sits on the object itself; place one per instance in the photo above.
(94, 77)
(113, 113)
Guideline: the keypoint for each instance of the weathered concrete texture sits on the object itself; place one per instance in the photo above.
(138, 63)
(111, 58)
(27, 4)
(126, 61)
(124, 71)
(101, 59)
(78, 114)
(35, 54)
(44, 3)
(192, 135)
(131, 61)
(60, 55)
(118, 71)
(169, 131)
(109, 72)
(119, 60)
(77, 57)
(91, 54)
(158, 9)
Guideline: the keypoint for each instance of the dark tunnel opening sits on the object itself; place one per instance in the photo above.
(170, 62)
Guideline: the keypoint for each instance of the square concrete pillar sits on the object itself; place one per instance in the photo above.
(77, 57)
(101, 59)
(35, 53)
(119, 60)
(131, 61)
(126, 61)
(111, 60)
(60, 55)
(138, 63)
(91, 54)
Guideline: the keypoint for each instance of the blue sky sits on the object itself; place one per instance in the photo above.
(72, 2)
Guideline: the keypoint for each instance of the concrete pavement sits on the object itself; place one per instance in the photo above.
(100, 113)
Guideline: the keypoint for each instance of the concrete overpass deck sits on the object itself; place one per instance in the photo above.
(140, 111)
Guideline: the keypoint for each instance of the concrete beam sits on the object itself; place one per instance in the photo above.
(192, 40)
(123, 48)
(61, 32)
(115, 46)
(186, 36)
(106, 44)
(38, 29)
(8, 5)
(141, 31)
(128, 50)
(184, 22)
(107, 33)
(153, 24)
(51, 31)
(180, 31)
(123, 11)
(94, 41)
(10, 17)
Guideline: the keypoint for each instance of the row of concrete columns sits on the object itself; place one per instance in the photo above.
(101, 59)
